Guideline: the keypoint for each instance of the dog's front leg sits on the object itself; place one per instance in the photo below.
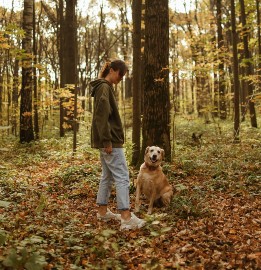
(137, 199)
(152, 199)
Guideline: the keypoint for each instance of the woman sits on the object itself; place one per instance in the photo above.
(107, 135)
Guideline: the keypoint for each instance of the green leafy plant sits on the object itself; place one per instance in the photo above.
(76, 173)
(2, 237)
(189, 203)
(24, 260)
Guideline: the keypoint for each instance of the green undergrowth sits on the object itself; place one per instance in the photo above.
(47, 198)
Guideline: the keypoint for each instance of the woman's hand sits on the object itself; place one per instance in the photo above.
(108, 149)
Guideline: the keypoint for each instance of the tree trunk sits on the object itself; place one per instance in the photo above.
(35, 103)
(70, 62)
(70, 42)
(15, 98)
(236, 76)
(221, 71)
(26, 119)
(259, 42)
(1, 94)
(99, 42)
(60, 38)
(136, 17)
(248, 68)
(214, 87)
(156, 118)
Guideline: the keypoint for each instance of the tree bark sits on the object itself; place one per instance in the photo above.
(26, 117)
(35, 89)
(136, 130)
(236, 75)
(1, 93)
(221, 71)
(15, 97)
(70, 42)
(259, 42)
(248, 69)
(61, 40)
(156, 118)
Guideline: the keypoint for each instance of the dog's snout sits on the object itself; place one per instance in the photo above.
(154, 157)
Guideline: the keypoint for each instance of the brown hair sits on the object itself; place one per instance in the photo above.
(115, 65)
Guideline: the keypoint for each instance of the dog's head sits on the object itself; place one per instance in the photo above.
(153, 156)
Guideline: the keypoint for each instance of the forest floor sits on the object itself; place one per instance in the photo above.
(48, 216)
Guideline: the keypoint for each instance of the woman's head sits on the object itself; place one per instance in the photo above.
(116, 65)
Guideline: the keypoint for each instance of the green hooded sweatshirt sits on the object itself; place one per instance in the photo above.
(106, 123)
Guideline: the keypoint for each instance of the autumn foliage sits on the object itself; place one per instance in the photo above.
(48, 215)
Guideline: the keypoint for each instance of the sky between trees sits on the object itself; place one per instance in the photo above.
(175, 4)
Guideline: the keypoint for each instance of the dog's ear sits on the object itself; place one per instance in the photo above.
(147, 150)
(162, 153)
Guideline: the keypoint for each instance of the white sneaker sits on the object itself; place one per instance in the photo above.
(109, 216)
(132, 224)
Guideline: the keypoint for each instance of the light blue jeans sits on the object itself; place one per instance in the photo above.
(114, 170)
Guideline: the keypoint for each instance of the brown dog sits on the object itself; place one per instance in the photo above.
(152, 181)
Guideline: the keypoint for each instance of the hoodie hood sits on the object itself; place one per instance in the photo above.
(96, 83)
